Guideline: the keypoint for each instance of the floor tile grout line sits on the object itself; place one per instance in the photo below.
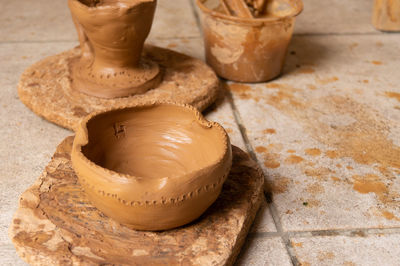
(345, 34)
(196, 16)
(77, 41)
(361, 232)
(271, 205)
(39, 41)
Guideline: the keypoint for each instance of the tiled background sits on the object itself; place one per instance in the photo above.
(326, 133)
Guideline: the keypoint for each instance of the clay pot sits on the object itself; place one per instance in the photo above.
(386, 15)
(248, 49)
(111, 35)
(151, 167)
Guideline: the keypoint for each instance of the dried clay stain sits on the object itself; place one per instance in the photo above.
(278, 185)
(306, 70)
(293, 159)
(393, 95)
(269, 131)
(313, 152)
(389, 216)
(325, 81)
(243, 91)
(365, 140)
(376, 62)
(315, 188)
(371, 183)
(270, 159)
(323, 256)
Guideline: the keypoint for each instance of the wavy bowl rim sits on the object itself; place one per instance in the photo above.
(81, 138)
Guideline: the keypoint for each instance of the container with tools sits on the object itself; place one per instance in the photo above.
(247, 40)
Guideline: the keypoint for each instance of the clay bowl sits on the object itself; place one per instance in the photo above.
(248, 49)
(151, 167)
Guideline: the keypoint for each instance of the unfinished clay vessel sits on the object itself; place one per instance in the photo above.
(386, 15)
(111, 35)
(151, 167)
(248, 49)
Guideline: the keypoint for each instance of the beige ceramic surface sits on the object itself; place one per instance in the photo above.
(335, 51)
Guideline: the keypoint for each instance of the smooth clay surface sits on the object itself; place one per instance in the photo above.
(152, 167)
(248, 49)
(111, 35)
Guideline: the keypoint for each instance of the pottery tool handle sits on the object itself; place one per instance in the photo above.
(259, 6)
(237, 8)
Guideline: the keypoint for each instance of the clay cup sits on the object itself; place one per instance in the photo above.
(112, 35)
(151, 167)
(248, 49)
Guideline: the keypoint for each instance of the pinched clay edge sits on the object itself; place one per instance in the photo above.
(182, 198)
(83, 140)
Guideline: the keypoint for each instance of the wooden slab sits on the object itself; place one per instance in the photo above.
(55, 223)
(45, 87)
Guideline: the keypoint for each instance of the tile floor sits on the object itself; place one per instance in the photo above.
(326, 133)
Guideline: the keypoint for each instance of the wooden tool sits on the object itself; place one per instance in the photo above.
(237, 8)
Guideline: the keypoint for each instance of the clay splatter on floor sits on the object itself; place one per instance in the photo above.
(372, 183)
(242, 90)
(279, 185)
(325, 81)
(393, 95)
(293, 159)
(313, 152)
(269, 131)
(271, 163)
(365, 140)
(297, 244)
(332, 154)
(323, 256)
(270, 159)
(390, 216)
(315, 188)
(305, 70)
(369, 183)
(321, 173)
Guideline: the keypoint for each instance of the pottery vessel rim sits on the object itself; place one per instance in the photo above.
(128, 4)
(82, 139)
(298, 4)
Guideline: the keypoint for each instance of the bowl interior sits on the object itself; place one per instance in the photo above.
(152, 142)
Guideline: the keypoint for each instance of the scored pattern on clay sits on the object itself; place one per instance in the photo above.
(189, 195)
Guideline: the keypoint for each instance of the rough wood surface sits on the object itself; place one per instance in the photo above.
(45, 87)
(386, 15)
(56, 225)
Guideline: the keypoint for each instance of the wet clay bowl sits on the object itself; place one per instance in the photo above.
(151, 167)
(248, 49)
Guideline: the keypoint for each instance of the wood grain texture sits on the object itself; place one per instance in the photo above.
(55, 223)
